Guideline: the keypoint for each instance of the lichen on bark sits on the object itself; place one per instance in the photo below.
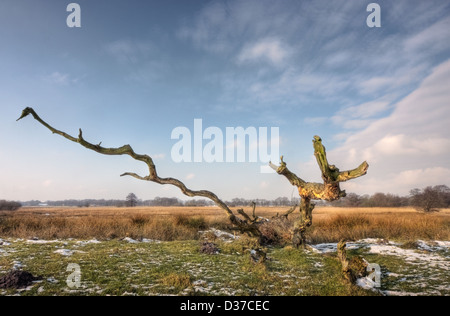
(329, 190)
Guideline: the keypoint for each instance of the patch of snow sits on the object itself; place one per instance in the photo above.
(433, 245)
(403, 293)
(4, 243)
(423, 245)
(52, 280)
(220, 234)
(411, 256)
(392, 274)
(145, 240)
(29, 288)
(318, 265)
(67, 252)
(443, 244)
(39, 241)
(366, 283)
(325, 248)
(85, 242)
(17, 265)
(130, 240)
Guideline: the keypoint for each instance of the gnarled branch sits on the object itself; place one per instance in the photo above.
(245, 225)
(329, 190)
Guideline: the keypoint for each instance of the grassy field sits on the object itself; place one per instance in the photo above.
(156, 251)
(183, 223)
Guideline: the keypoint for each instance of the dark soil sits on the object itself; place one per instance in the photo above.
(209, 248)
(17, 280)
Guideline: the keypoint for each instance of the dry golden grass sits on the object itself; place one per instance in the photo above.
(333, 224)
(183, 223)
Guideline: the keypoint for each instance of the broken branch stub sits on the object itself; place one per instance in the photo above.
(244, 225)
(329, 190)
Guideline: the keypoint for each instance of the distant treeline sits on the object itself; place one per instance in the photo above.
(9, 205)
(427, 199)
(160, 201)
(432, 197)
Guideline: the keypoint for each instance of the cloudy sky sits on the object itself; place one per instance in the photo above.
(136, 70)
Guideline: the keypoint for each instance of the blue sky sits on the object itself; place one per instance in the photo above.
(136, 70)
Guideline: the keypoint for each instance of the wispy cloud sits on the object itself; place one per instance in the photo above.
(414, 139)
(62, 79)
(128, 51)
(267, 50)
(433, 39)
(326, 54)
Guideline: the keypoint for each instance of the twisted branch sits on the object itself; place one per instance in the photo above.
(245, 225)
(329, 190)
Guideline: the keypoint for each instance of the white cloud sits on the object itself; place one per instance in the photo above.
(399, 183)
(408, 146)
(434, 38)
(190, 176)
(269, 49)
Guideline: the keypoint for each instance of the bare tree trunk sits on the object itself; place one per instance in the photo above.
(329, 190)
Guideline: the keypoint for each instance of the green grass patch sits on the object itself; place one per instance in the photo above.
(174, 268)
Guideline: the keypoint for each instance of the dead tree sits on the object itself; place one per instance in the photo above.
(247, 224)
(329, 190)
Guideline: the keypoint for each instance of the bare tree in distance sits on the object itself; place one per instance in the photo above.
(430, 199)
(132, 200)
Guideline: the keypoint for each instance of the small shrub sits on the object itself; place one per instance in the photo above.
(276, 232)
(9, 205)
(139, 220)
(194, 222)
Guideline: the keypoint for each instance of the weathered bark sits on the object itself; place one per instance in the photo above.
(342, 257)
(354, 268)
(329, 190)
(247, 224)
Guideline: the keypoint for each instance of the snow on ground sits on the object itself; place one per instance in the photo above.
(130, 240)
(86, 242)
(4, 243)
(424, 270)
(67, 252)
(40, 241)
(219, 234)
(144, 240)
(413, 256)
(425, 265)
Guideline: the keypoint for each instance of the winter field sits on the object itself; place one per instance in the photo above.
(156, 251)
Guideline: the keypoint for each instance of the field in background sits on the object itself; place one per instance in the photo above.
(330, 224)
